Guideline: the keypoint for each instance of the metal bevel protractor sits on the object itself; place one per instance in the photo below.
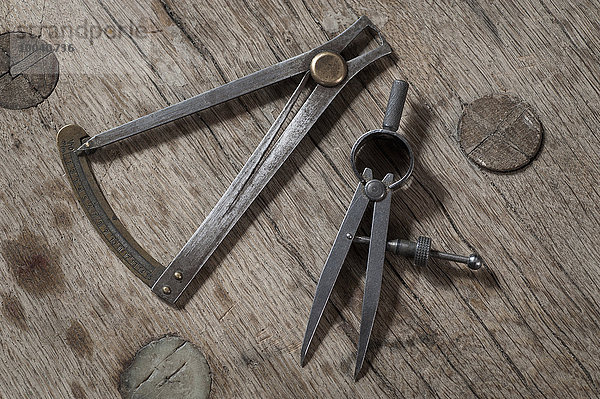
(329, 72)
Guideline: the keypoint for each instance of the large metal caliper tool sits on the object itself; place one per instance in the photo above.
(329, 72)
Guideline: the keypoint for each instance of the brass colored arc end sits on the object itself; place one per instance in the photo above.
(328, 68)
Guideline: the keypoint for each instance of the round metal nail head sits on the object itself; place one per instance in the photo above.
(500, 133)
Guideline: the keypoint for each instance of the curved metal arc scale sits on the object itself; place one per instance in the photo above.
(99, 211)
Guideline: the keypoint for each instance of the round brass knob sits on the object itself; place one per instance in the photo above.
(328, 68)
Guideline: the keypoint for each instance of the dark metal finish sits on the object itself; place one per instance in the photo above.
(362, 140)
(98, 210)
(421, 251)
(337, 255)
(368, 190)
(379, 228)
(391, 121)
(257, 80)
(253, 177)
(474, 262)
(395, 106)
(334, 262)
(378, 192)
(169, 283)
(375, 190)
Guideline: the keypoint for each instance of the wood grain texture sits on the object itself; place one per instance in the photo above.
(525, 326)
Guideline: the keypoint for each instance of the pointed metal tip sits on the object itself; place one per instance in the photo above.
(359, 364)
(303, 352)
(357, 373)
(85, 146)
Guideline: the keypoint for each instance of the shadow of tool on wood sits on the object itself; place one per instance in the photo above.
(428, 194)
(383, 159)
(349, 277)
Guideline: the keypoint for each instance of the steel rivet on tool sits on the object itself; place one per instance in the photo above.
(178, 275)
(166, 290)
(328, 68)
(375, 190)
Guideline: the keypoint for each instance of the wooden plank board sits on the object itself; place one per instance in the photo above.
(525, 326)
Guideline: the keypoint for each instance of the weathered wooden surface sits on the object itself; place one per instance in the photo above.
(526, 326)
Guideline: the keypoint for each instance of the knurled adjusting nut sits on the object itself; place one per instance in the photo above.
(422, 251)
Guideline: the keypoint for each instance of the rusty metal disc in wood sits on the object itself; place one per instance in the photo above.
(328, 68)
(500, 133)
(169, 367)
(28, 70)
